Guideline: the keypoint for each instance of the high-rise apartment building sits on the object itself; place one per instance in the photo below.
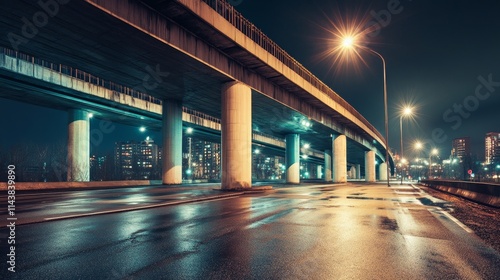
(492, 148)
(201, 158)
(460, 147)
(136, 160)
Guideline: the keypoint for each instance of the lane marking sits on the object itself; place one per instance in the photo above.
(460, 224)
(227, 196)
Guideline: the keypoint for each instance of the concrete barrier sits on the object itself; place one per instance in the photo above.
(486, 193)
(20, 186)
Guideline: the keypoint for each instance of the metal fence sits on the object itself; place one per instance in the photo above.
(78, 74)
(89, 78)
(234, 17)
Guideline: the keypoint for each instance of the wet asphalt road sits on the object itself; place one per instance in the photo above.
(315, 232)
(41, 206)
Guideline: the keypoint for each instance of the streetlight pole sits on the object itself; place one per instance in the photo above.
(418, 147)
(348, 42)
(407, 111)
(386, 120)
(401, 134)
(433, 152)
(430, 166)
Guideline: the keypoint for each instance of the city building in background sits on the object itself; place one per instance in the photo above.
(460, 148)
(137, 160)
(267, 167)
(492, 148)
(201, 159)
(98, 168)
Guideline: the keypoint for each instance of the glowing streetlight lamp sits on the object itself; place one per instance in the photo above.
(406, 112)
(418, 145)
(349, 42)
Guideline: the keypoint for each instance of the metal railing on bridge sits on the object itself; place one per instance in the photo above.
(234, 17)
(195, 117)
(77, 74)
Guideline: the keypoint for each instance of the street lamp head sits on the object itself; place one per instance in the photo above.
(348, 42)
(407, 111)
(434, 151)
(418, 145)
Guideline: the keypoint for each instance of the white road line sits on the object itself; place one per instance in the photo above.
(467, 229)
(143, 207)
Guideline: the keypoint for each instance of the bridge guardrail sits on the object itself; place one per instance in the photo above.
(15, 64)
(234, 17)
(75, 73)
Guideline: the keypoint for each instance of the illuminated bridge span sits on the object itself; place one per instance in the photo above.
(202, 55)
(106, 100)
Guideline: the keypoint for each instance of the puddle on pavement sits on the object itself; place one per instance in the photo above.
(428, 202)
(315, 193)
(367, 198)
(380, 222)
(330, 197)
(388, 224)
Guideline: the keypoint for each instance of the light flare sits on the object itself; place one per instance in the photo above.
(346, 37)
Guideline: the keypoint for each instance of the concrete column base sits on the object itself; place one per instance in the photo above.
(236, 123)
(292, 159)
(382, 171)
(340, 159)
(78, 146)
(370, 166)
(172, 142)
(328, 166)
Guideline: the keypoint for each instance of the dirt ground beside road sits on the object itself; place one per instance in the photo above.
(483, 220)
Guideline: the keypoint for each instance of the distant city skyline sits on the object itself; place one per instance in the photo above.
(28, 129)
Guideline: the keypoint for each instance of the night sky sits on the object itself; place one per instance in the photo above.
(443, 58)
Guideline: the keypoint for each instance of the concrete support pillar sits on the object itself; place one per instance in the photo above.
(382, 172)
(370, 166)
(319, 171)
(236, 123)
(352, 172)
(358, 171)
(328, 166)
(172, 142)
(78, 146)
(339, 159)
(292, 159)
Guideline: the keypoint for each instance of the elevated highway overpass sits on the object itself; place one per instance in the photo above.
(201, 55)
(28, 79)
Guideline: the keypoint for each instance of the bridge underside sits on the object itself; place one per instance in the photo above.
(108, 48)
